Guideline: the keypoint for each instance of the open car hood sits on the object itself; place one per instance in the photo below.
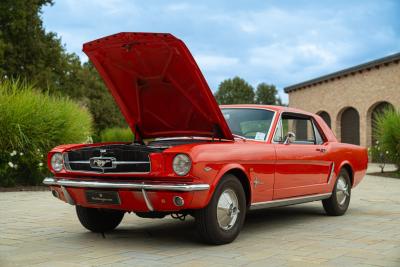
(157, 85)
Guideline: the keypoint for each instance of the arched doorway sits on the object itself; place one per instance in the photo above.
(350, 126)
(325, 116)
(376, 110)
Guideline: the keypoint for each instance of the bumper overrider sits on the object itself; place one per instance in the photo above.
(135, 196)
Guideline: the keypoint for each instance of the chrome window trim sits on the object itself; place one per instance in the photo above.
(280, 122)
(269, 130)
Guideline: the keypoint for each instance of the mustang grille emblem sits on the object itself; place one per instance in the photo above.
(102, 163)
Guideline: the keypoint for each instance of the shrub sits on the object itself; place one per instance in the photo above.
(388, 134)
(378, 155)
(31, 123)
(116, 135)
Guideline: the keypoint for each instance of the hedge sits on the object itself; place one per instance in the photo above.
(116, 135)
(31, 123)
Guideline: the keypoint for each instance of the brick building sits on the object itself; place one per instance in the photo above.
(349, 99)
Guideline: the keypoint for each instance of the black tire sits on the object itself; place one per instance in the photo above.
(99, 220)
(207, 222)
(332, 205)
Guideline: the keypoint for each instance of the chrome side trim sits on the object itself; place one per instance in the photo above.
(127, 185)
(67, 196)
(288, 201)
(147, 200)
(332, 173)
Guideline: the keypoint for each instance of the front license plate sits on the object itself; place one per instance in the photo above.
(102, 197)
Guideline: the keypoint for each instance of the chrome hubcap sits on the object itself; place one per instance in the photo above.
(227, 209)
(342, 191)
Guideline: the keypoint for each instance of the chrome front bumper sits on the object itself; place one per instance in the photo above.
(125, 185)
(63, 183)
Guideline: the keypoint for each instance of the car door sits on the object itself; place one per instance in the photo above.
(302, 163)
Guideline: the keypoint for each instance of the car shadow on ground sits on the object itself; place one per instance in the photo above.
(183, 233)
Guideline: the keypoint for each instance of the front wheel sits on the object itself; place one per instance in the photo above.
(99, 220)
(339, 201)
(221, 221)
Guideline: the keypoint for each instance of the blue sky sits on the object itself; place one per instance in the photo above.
(278, 42)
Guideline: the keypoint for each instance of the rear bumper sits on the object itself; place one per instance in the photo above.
(135, 196)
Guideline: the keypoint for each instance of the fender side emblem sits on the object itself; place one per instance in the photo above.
(257, 182)
(207, 169)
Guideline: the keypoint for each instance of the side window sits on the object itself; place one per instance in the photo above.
(301, 126)
(318, 137)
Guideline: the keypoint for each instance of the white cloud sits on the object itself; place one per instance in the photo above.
(215, 62)
(284, 56)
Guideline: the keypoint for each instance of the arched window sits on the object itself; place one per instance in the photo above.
(325, 116)
(378, 109)
(350, 126)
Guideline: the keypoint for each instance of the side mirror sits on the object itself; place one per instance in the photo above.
(290, 137)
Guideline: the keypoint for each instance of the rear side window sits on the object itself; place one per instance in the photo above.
(318, 137)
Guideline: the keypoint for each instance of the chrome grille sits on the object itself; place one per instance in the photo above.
(109, 159)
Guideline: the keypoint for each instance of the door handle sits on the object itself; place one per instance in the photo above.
(323, 150)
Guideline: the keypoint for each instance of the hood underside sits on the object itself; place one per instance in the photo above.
(157, 85)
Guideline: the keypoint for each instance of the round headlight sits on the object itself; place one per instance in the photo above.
(181, 164)
(57, 162)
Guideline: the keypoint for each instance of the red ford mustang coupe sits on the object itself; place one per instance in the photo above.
(192, 157)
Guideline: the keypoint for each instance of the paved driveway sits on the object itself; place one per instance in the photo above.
(38, 230)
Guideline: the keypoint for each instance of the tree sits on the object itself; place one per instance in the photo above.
(235, 91)
(267, 94)
(28, 52)
(98, 99)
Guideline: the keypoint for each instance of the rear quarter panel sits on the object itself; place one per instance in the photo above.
(354, 156)
(344, 154)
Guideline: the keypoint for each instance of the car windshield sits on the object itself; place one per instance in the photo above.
(249, 123)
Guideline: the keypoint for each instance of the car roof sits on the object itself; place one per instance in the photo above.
(270, 107)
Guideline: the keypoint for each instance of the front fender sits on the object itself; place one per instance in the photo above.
(225, 169)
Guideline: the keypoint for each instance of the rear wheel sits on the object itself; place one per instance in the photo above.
(221, 221)
(99, 220)
(339, 201)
